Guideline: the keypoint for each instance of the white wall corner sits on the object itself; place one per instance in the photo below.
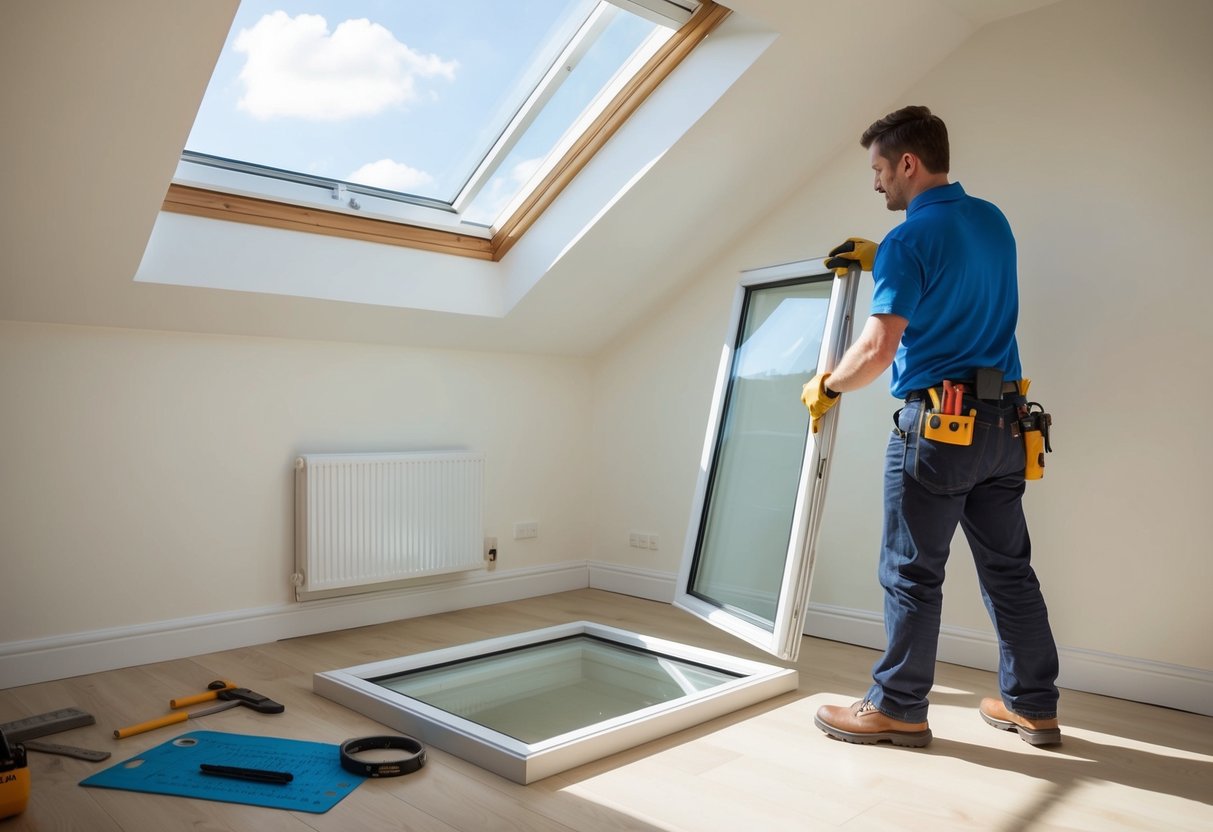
(650, 584)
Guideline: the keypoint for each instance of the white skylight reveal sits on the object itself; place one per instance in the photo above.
(446, 116)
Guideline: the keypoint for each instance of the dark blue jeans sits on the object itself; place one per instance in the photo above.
(930, 487)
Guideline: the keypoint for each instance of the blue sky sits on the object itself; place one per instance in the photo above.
(403, 94)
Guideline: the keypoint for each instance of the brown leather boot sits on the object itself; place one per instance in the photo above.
(1031, 731)
(862, 723)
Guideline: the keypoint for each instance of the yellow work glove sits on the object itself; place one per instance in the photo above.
(854, 250)
(817, 399)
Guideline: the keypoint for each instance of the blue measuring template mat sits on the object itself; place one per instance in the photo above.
(173, 768)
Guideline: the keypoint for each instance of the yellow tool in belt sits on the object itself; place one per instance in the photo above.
(944, 422)
(1034, 425)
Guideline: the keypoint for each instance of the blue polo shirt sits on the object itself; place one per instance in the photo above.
(949, 270)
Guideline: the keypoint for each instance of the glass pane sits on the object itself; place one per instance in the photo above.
(580, 90)
(746, 529)
(545, 690)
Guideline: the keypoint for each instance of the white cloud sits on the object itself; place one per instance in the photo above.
(521, 173)
(296, 68)
(395, 176)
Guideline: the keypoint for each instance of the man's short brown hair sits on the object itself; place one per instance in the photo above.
(914, 130)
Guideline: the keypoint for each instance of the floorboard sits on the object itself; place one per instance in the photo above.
(1123, 765)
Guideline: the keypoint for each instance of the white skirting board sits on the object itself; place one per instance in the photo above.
(60, 657)
(1108, 674)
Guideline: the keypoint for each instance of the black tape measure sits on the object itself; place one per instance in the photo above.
(411, 760)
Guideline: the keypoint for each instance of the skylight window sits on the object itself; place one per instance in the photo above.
(440, 115)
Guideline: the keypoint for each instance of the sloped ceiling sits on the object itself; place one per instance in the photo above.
(98, 99)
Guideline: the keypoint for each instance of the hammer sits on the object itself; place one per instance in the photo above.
(229, 696)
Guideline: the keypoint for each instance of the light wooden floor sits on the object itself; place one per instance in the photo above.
(1122, 766)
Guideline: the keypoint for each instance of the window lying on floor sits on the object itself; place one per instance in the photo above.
(454, 117)
(534, 704)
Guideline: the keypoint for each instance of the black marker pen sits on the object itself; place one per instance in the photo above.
(258, 775)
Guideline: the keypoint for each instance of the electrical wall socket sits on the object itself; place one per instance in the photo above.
(642, 540)
(522, 531)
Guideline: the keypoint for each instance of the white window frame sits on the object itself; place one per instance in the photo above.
(525, 762)
(784, 639)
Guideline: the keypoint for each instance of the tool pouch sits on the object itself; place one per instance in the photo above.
(1035, 427)
(951, 429)
(944, 427)
(14, 779)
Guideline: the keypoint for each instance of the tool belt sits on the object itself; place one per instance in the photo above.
(945, 422)
(1008, 388)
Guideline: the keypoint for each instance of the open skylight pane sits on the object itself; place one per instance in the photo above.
(418, 102)
(616, 51)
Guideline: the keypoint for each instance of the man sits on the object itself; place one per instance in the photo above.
(944, 307)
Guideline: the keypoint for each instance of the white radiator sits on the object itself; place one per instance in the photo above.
(366, 521)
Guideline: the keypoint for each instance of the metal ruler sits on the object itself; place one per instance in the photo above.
(64, 719)
(66, 750)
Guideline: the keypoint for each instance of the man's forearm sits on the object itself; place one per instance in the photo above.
(869, 356)
(856, 370)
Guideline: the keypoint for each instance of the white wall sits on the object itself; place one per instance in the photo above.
(148, 476)
(1087, 122)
